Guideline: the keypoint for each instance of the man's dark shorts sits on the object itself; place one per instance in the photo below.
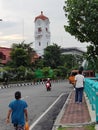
(18, 127)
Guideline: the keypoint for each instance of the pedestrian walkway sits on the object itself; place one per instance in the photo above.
(74, 116)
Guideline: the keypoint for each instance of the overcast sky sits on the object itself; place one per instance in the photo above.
(18, 22)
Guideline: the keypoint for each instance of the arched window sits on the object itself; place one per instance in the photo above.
(39, 43)
(46, 29)
(39, 29)
(2, 56)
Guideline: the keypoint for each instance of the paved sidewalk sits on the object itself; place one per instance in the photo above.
(74, 115)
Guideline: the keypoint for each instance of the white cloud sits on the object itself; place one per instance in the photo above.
(11, 37)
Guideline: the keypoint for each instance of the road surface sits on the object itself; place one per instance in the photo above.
(43, 106)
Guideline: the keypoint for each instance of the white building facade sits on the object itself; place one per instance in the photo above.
(41, 33)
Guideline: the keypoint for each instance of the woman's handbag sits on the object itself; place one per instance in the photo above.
(26, 126)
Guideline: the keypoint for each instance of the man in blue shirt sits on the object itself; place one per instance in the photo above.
(18, 112)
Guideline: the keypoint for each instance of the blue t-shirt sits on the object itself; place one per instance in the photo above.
(17, 107)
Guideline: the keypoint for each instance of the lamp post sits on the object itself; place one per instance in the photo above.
(0, 56)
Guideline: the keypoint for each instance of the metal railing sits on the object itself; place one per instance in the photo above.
(91, 90)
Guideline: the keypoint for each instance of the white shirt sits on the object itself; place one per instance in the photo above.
(79, 78)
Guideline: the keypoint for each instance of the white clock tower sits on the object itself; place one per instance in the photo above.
(42, 33)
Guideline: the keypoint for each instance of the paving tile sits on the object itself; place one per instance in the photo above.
(75, 112)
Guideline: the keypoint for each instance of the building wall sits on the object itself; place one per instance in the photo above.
(4, 55)
(42, 35)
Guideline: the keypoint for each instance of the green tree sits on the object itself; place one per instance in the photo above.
(22, 51)
(63, 71)
(92, 58)
(82, 22)
(21, 60)
(72, 61)
(82, 19)
(21, 72)
(52, 56)
(27, 47)
(39, 63)
(68, 61)
(19, 57)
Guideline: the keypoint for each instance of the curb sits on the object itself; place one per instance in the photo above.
(19, 85)
(57, 122)
(92, 115)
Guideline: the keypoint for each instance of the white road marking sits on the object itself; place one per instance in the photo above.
(33, 125)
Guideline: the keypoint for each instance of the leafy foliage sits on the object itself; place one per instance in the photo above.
(21, 54)
(82, 23)
(52, 65)
(19, 57)
(82, 19)
(52, 56)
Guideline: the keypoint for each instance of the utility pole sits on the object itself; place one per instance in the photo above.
(1, 20)
(0, 56)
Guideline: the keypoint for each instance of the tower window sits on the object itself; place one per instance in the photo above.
(2, 56)
(39, 29)
(46, 29)
(39, 43)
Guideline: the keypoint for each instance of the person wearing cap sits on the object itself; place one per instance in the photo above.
(18, 112)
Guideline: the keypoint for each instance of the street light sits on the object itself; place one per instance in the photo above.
(0, 57)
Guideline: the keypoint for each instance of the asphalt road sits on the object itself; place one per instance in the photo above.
(43, 106)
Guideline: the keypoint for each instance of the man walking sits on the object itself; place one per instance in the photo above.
(18, 112)
(79, 86)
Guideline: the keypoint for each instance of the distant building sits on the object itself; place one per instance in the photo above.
(41, 34)
(72, 50)
(4, 55)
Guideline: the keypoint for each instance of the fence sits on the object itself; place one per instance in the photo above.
(33, 83)
(91, 89)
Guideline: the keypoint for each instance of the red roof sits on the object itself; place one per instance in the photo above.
(5, 54)
(41, 17)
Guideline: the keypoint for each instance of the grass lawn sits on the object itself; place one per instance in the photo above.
(89, 127)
